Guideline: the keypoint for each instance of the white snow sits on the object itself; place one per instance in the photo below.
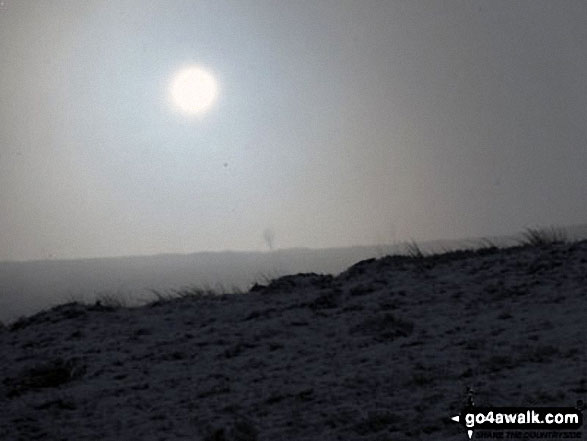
(383, 351)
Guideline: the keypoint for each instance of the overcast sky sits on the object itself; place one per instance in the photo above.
(336, 123)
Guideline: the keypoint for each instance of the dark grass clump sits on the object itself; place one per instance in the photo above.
(540, 237)
(414, 251)
(188, 292)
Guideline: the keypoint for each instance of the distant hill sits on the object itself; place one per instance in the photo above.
(27, 287)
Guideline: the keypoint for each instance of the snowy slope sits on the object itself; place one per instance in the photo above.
(384, 351)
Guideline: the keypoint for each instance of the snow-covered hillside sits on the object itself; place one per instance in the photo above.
(384, 351)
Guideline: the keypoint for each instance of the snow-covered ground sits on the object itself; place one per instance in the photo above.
(384, 351)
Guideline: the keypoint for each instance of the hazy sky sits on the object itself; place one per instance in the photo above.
(337, 123)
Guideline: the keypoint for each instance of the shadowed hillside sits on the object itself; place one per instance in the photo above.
(28, 287)
(384, 351)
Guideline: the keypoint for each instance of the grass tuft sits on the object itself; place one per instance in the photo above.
(196, 292)
(486, 244)
(110, 301)
(539, 237)
(414, 251)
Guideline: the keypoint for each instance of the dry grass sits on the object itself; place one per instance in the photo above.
(539, 237)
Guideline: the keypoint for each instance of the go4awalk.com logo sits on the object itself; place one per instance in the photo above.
(522, 422)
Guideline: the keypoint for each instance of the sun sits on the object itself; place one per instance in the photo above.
(193, 90)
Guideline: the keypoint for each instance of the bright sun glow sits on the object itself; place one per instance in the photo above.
(193, 90)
